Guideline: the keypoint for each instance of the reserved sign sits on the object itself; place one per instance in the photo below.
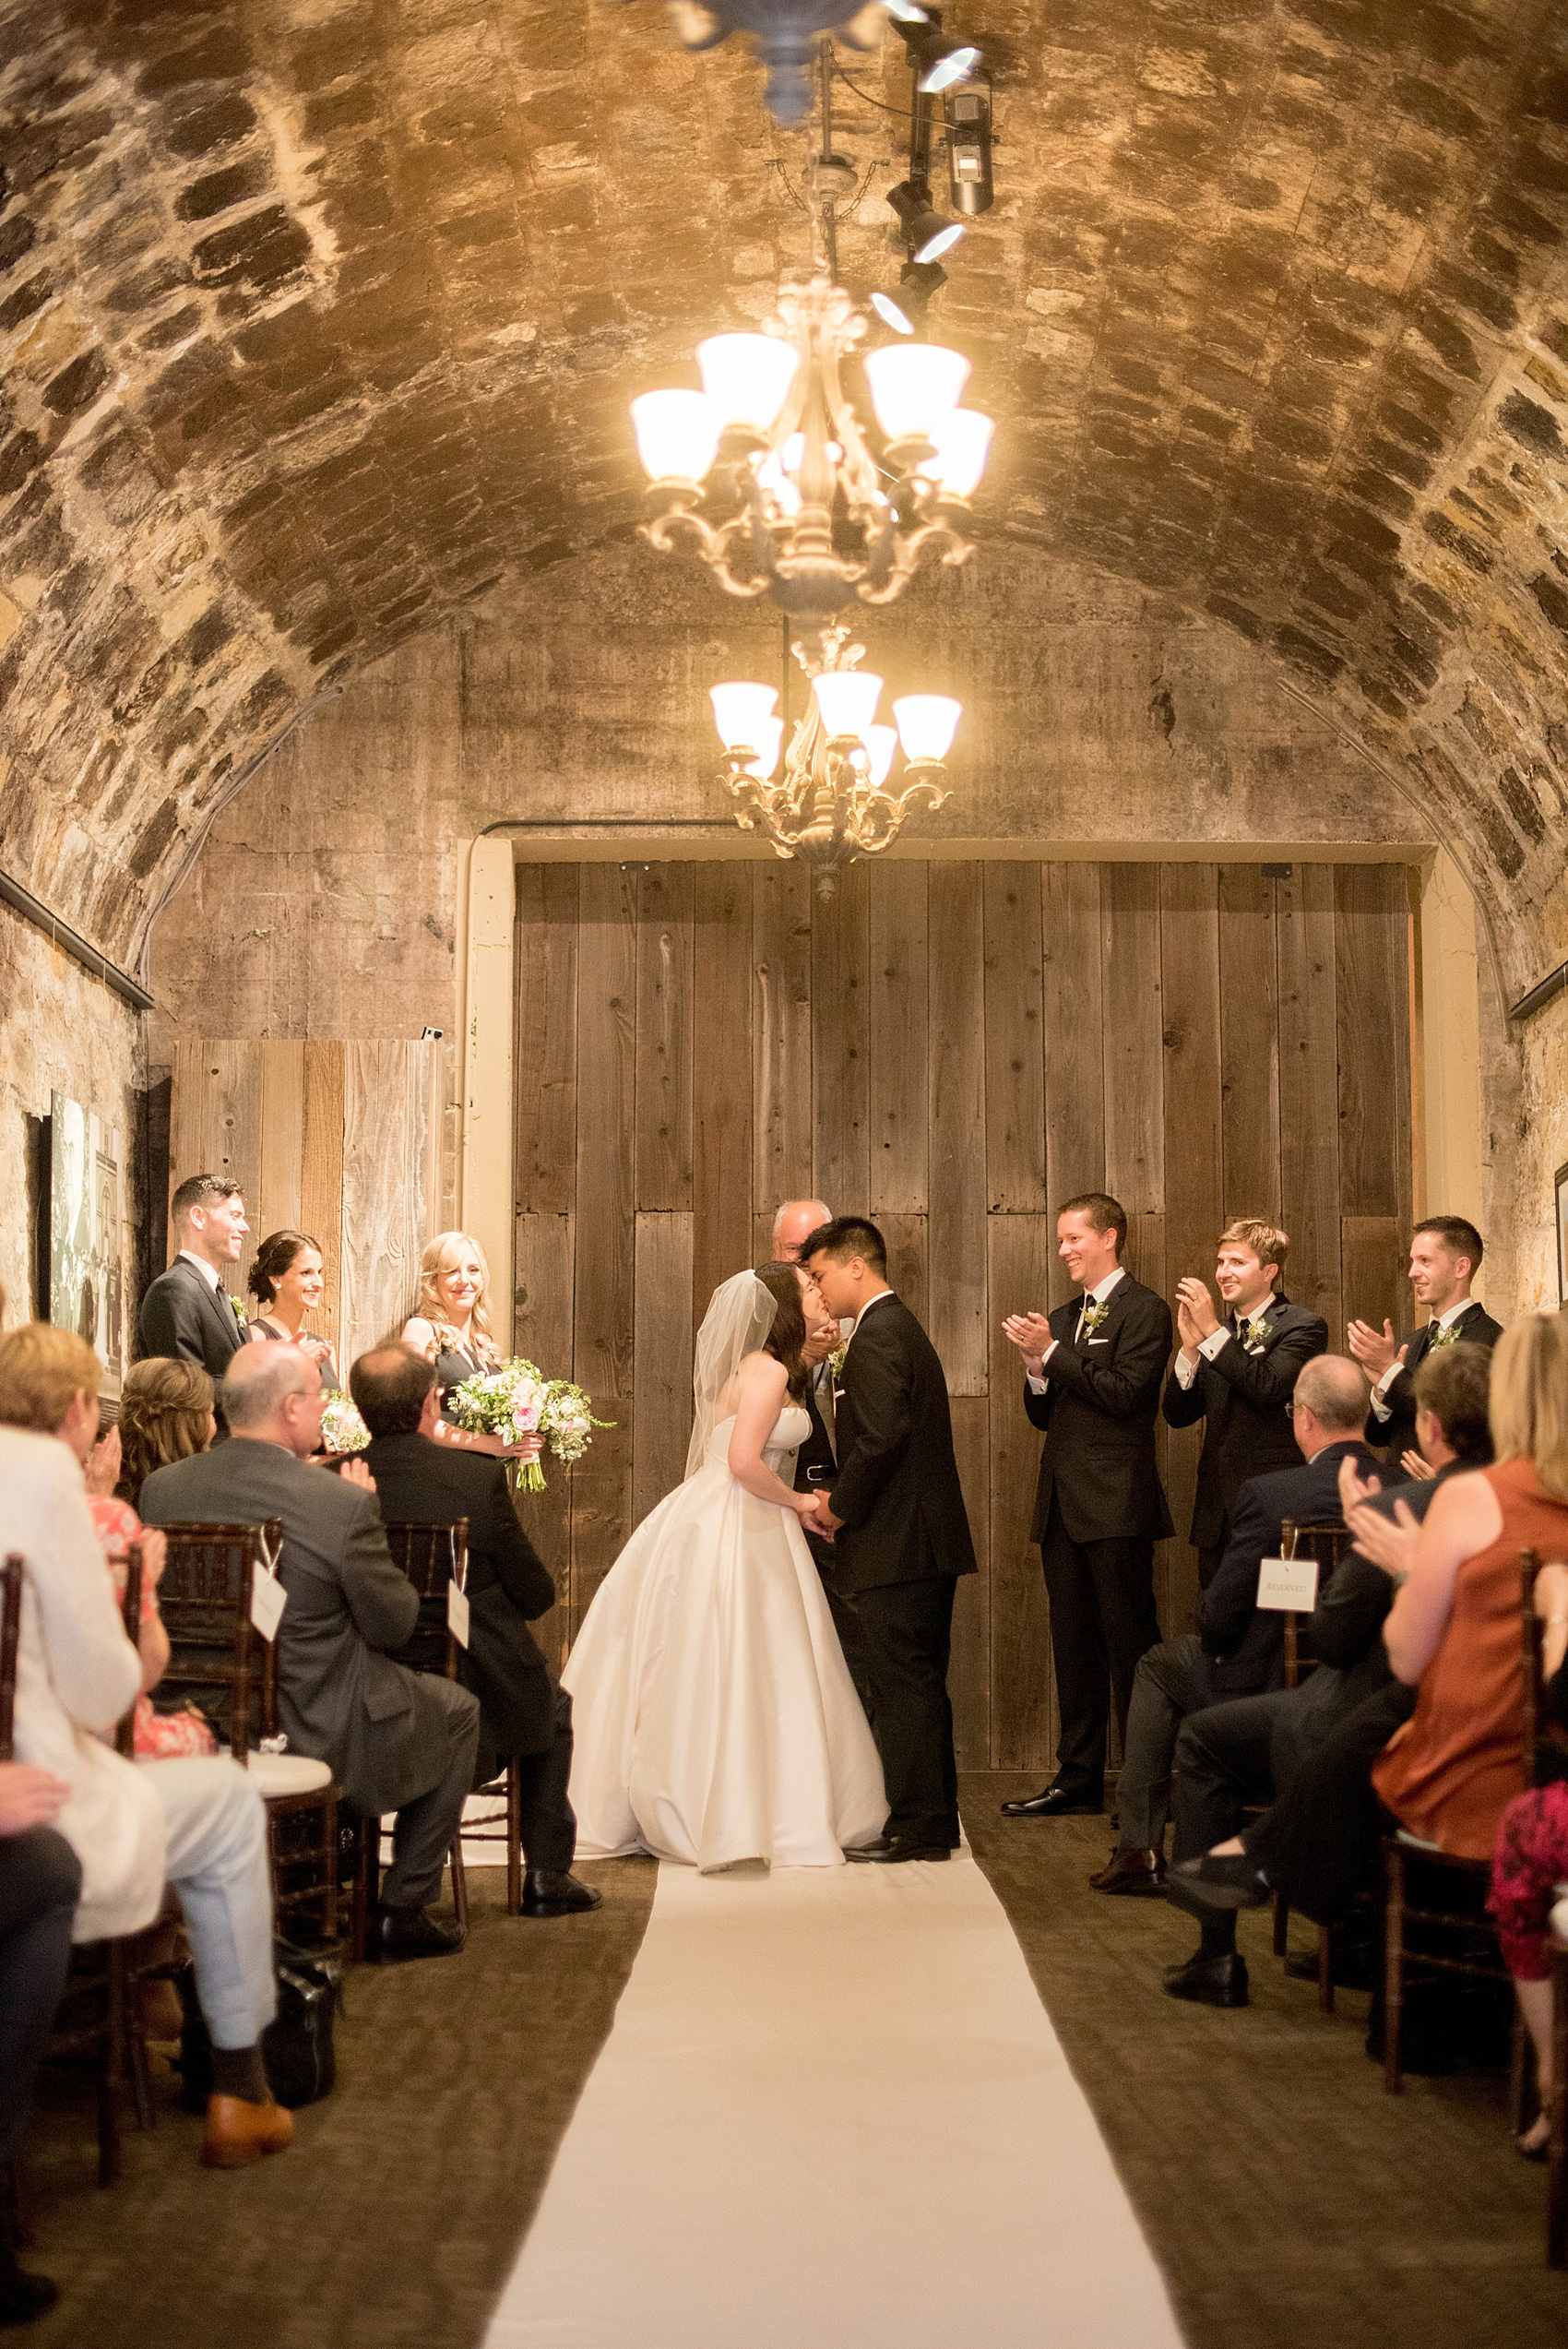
(1289, 1584)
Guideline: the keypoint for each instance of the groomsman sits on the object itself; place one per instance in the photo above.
(186, 1312)
(1445, 1255)
(1238, 1375)
(1093, 1371)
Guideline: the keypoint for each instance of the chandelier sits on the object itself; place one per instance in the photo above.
(831, 804)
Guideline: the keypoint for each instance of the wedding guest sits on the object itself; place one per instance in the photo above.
(40, 1879)
(1529, 1863)
(156, 1734)
(450, 1326)
(1092, 1374)
(187, 1311)
(166, 1413)
(795, 1220)
(1238, 1648)
(395, 1740)
(1238, 1375)
(287, 1283)
(523, 1715)
(199, 1824)
(1445, 1255)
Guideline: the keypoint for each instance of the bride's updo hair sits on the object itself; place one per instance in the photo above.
(787, 1335)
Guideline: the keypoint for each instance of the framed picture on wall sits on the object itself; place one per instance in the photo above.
(1563, 1234)
(85, 1290)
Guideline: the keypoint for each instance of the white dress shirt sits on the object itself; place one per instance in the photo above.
(1097, 1296)
(1384, 1410)
(214, 1280)
(1216, 1342)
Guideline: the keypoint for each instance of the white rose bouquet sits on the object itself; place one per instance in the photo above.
(342, 1429)
(567, 1421)
(509, 1402)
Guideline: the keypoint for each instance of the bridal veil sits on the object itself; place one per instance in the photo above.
(739, 1316)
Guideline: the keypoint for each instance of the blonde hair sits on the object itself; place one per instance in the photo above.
(43, 1370)
(438, 1257)
(165, 1414)
(1528, 1406)
(1267, 1243)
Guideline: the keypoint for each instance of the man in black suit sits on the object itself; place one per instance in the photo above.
(1093, 1372)
(1238, 1648)
(1445, 1255)
(523, 1714)
(895, 1513)
(1238, 1375)
(187, 1313)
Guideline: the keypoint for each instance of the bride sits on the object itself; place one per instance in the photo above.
(713, 1715)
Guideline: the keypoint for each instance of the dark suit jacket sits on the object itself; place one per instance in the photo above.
(182, 1316)
(380, 1727)
(817, 1452)
(1241, 1397)
(1395, 1435)
(1097, 1415)
(896, 1486)
(1243, 1642)
(422, 1483)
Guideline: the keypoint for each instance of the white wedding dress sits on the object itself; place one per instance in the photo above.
(713, 1713)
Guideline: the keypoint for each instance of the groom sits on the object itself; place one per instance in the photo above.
(895, 1513)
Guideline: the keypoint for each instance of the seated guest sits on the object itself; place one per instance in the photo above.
(1529, 1864)
(522, 1712)
(165, 1414)
(1255, 1749)
(286, 1282)
(186, 1312)
(1238, 1648)
(1238, 1375)
(41, 1878)
(395, 1740)
(117, 1527)
(199, 1824)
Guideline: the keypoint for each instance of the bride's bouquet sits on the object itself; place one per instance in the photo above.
(342, 1429)
(567, 1421)
(518, 1401)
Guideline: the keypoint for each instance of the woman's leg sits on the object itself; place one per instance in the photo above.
(1530, 1862)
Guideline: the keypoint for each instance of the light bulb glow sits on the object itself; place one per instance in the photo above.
(887, 310)
(927, 723)
(912, 384)
(769, 742)
(957, 65)
(747, 376)
(677, 434)
(941, 240)
(846, 699)
(962, 441)
(741, 713)
(881, 743)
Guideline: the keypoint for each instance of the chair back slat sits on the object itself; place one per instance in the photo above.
(432, 1557)
(216, 1655)
(130, 1615)
(12, 1575)
(1330, 1545)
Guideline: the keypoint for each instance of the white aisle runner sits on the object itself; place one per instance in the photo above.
(833, 2110)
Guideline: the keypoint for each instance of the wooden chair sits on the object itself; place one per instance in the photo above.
(1330, 1545)
(217, 1653)
(432, 1556)
(1470, 1927)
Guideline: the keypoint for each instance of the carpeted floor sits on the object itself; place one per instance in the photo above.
(1290, 2203)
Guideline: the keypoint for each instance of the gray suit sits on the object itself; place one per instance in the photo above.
(396, 1740)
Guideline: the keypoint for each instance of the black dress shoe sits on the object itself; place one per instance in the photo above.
(401, 1934)
(1141, 1874)
(1209, 1981)
(550, 1891)
(1057, 1802)
(888, 1850)
(1203, 1885)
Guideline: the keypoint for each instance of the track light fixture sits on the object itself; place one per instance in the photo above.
(969, 147)
(939, 62)
(927, 234)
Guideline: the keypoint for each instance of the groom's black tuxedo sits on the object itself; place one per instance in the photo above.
(904, 1540)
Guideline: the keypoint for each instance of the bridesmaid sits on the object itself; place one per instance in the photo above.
(285, 1281)
(450, 1326)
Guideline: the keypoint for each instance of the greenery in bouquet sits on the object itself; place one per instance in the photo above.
(342, 1429)
(507, 1403)
(567, 1421)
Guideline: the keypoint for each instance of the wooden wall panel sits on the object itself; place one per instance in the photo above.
(969, 1675)
(1371, 921)
(1249, 1043)
(282, 1140)
(385, 1110)
(661, 1384)
(1189, 951)
(1309, 1092)
(1015, 1057)
(955, 1279)
(216, 1128)
(840, 1044)
(898, 1041)
(664, 1038)
(782, 1152)
(1073, 1024)
(545, 1047)
(321, 1172)
(1023, 1681)
(721, 1078)
(543, 1254)
(604, 1307)
(908, 1238)
(1134, 1096)
(1374, 1251)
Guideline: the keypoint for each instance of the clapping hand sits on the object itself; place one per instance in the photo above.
(1387, 1542)
(1374, 1354)
(1195, 1316)
(354, 1471)
(1031, 1332)
(103, 1470)
(1416, 1466)
(1355, 1489)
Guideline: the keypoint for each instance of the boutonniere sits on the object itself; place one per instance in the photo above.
(1096, 1314)
(241, 1314)
(1254, 1332)
(836, 1361)
(1443, 1336)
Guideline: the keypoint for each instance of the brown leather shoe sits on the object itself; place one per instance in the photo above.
(1136, 1872)
(239, 2132)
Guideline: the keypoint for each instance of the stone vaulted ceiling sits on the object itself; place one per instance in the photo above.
(317, 316)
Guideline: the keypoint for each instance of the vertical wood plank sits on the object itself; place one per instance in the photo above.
(908, 1241)
(1249, 1043)
(1014, 1058)
(664, 1038)
(781, 1038)
(1073, 1020)
(968, 1674)
(545, 1049)
(216, 1118)
(957, 1276)
(900, 1108)
(1308, 1091)
(383, 1212)
(602, 1286)
(1189, 952)
(840, 1044)
(1135, 1093)
(721, 1078)
(1374, 1251)
(1371, 921)
(663, 1391)
(1022, 1705)
(282, 1137)
(321, 1177)
(543, 1316)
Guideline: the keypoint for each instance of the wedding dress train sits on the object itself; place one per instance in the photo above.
(713, 1713)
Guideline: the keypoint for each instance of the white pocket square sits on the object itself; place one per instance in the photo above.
(1100, 1341)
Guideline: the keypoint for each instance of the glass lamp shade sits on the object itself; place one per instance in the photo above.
(912, 384)
(881, 743)
(846, 699)
(927, 723)
(677, 434)
(747, 376)
(742, 714)
(769, 742)
(962, 441)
